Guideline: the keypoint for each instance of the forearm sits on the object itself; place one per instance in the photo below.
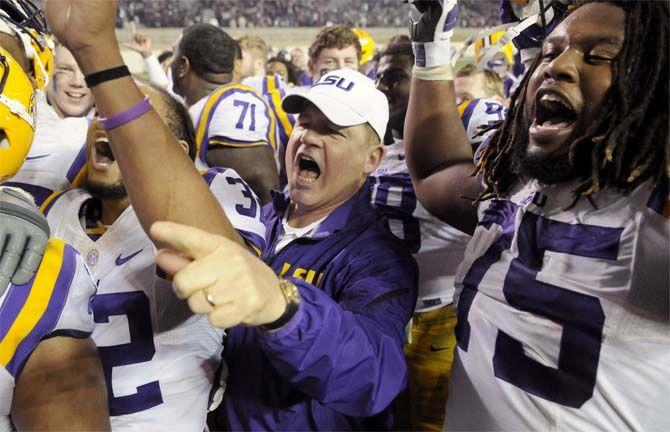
(161, 180)
(347, 361)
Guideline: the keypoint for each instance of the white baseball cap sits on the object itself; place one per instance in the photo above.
(347, 98)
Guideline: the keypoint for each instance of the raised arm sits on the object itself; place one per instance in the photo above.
(161, 180)
(439, 156)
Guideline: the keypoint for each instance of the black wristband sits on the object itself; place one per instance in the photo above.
(102, 76)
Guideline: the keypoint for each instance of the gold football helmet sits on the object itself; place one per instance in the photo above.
(17, 115)
(367, 45)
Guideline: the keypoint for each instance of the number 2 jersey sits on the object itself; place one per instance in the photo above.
(159, 359)
(55, 302)
(563, 314)
(234, 115)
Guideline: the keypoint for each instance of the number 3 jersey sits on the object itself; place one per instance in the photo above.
(234, 115)
(563, 314)
(55, 302)
(159, 359)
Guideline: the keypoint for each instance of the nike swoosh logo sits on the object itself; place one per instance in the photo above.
(122, 260)
(38, 157)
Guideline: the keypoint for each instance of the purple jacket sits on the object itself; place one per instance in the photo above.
(339, 363)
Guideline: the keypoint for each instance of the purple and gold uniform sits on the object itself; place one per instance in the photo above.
(159, 359)
(476, 115)
(234, 115)
(563, 320)
(338, 363)
(54, 303)
(273, 88)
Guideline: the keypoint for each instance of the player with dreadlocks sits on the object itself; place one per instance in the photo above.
(623, 146)
(563, 295)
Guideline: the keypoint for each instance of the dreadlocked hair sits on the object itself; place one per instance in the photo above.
(628, 142)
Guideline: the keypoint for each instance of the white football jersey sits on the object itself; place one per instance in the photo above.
(563, 321)
(57, 156)
(477, 115)
(273, 88)
(232, 116)
(437, 247)
(159, 359)
(54, 303)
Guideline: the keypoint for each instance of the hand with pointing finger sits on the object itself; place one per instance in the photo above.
(218, 277)
(139, 43)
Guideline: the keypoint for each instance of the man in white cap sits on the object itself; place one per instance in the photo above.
(333, 360)
(315, 329)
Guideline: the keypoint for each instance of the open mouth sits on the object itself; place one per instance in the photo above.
(553, 111)
(308, 169)
(75, 95)
(102, 152)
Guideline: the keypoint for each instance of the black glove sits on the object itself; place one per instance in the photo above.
(24, 234)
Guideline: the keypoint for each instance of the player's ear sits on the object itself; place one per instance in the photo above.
(310, 68)
(184, 146)
(375, 155)
(184, 66)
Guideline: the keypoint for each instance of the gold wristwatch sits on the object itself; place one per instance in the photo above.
(292, 297)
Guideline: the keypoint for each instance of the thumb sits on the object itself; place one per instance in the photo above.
(133, 29)
(191, 242)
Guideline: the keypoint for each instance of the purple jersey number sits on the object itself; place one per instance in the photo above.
(250, 211)
(581, 316)
(135, 306)
(246, 107)
(385, 189)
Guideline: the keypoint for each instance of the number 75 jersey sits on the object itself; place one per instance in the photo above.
(563, 314)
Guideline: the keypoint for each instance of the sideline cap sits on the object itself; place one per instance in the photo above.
(347, 98)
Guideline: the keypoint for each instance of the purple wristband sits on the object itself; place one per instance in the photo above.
(126, 116)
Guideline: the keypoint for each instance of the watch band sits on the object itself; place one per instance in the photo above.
(292, 297)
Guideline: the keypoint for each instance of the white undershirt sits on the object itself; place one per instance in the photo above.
(291, 233)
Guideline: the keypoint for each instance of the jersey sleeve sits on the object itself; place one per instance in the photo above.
(477, 115)
(240, 205)
(54, 303)
(235, 116)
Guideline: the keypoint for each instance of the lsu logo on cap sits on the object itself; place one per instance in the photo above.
(337, 81)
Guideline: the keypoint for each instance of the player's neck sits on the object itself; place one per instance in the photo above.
(204, 88)
(112, 209)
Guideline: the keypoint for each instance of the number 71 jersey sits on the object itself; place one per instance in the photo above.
(234, 115)
(563, 314)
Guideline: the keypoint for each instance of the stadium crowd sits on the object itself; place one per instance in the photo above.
(286, 13)
(357, 237)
